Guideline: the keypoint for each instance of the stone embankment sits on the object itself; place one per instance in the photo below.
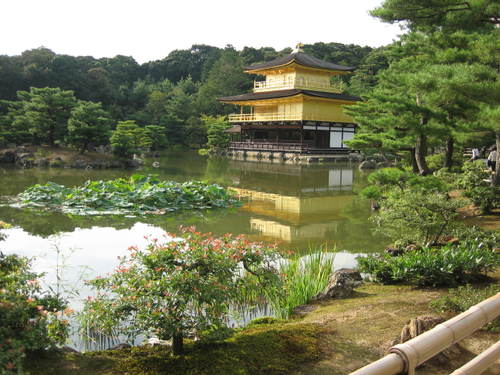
(372, 162)
(29, 157)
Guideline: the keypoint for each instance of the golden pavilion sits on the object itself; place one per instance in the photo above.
(296, 109)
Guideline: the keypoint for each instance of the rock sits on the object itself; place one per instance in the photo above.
(44, 162)
(156, 341)
(304, 309)
(115, 164)
(449, 240)
(419, 325)
(120, 346)
(394, 251)
(412, 247)
(24, 159)
(79, 164)
(99, 164)
(368, 164)
(68, 349)
(56, 163)
(8, 157)
(356, 157)
(341, 159)
(384, 164)
(134, 163)
(101, 149)
(341, 284)
(23, 155)
(378, 158)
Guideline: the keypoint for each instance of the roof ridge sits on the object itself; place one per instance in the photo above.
(300, 58)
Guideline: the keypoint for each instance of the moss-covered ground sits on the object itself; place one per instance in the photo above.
(336, 338)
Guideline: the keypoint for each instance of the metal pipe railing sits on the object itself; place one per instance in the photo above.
(425, 346)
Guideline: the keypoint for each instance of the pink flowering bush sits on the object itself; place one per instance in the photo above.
(29, 320)
(178, 288)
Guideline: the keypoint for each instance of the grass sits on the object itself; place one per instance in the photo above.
(273, 349)
(303, 277)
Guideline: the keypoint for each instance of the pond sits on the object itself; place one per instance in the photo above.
(300, 206)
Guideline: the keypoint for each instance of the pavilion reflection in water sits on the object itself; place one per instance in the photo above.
(295, 203)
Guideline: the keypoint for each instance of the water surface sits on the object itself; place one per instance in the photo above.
(299, 206)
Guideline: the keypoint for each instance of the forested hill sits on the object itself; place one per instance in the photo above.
(173, 92)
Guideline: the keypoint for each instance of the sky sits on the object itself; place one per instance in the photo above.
(150, 29)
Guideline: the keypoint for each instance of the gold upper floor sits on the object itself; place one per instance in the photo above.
(302, 79)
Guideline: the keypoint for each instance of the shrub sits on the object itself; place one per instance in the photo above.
(464, 297)
(420, 216)
(29, 319)
(203, 151)
(446, 266)
(484, 238)
(157, 135)
(449, 178)
(435, 161)
(389, 179)
(88, 124)
(216, 132)
(476, 186)
(129, 139)
(179, 288)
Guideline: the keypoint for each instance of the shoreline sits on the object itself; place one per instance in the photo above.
(61, 157)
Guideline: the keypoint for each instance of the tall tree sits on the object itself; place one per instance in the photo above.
(179, 109)
(128, 139)
(225, 78)
(46, 111)
(365, 77)
(398, 110)
(88, 124)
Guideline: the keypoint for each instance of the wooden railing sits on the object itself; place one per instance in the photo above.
(261, 86)
(404, 358)
(270, 146)
(277, 116)
(265, 117)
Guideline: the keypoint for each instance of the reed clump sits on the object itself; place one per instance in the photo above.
(303, 277)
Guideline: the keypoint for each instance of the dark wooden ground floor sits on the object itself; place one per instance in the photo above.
(297, 138)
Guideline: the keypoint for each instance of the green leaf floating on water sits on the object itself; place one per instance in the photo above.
(136, 195)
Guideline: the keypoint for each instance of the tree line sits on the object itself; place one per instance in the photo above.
(47, 98)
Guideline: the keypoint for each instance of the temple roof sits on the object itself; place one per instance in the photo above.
(299, 58)
(287, 93)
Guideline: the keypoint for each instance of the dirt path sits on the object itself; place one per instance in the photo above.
(359, 330)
